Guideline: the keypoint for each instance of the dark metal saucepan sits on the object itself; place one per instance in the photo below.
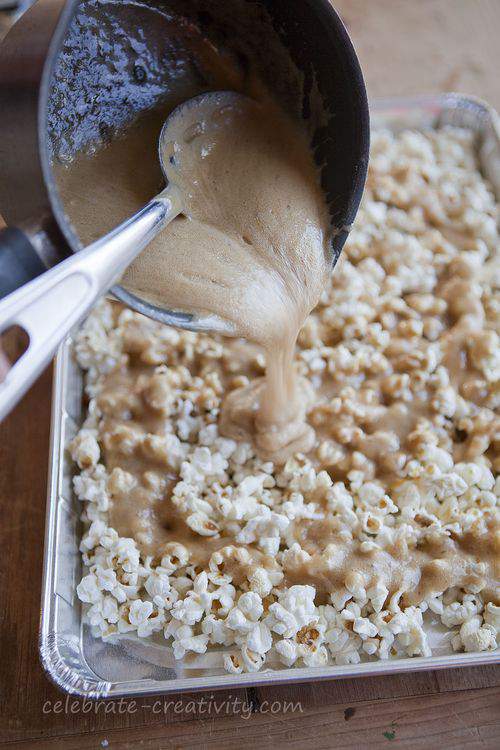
(74, 73)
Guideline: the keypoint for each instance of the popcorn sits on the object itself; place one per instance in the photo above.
(139, 616)
(252, 660)
(294, 609)
(91, 487)
(265, 528)
(355, 583)
(233, 553)
(364, 627)
(377, 595)
(104, 615)
(184, 640)
(175, 556)
(94, 534)
(250, 604)
(85, 449)
(217, 631)
(287, 651)
(370, 493)
(88, 589)
(492, 616)
(475, 637)
(413, 638)
(127, 554)
(246, 613)
(261, 581)
(202, 525)
(317, 657)
(233, 663)
(456, 613)
(198, 601)
(259, 639)
(158, 585)
(343, 646)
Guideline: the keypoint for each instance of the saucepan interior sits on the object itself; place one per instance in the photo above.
(122, 59)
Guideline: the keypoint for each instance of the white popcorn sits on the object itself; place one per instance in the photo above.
(260, 581)
(370, 646)
(127, 554)
(175, 556)
(377, 595)
(317, 657)
(340, 598)
(251, 605)
(93, 535)
(371, 523)
(487, 480)
(103, 616)
(371, 493)
(343, 646)
(198, 601)
(223, 595)
(158, 584)
(441, 458)
(456, 613)
(208, 435)
(106, 578)
(85, 449)
(217, 630)
(391, 420)
(435, 604)
(140, 616)
(259, 639)
(475, 637)
(124, 625)
(492, 616)
(197, 644)
(184, 640)
(265, 528)
(243, 619)
(233, 663)
(355, 583)
(109, 609)
(470, 473)
(414, 640)
(294, 609)
(202, 524)
(236, 620)
(364, 627)
(287, 651)
(92, 488)
(88, 589)
(252, 660)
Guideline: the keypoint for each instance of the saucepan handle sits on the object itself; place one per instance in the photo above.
(19, 261)
(49, 306)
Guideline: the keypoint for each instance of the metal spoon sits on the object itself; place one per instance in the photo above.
(48, 307)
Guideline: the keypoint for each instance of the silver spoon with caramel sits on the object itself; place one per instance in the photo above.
(48, 307)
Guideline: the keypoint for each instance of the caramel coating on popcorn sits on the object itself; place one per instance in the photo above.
(393, 511)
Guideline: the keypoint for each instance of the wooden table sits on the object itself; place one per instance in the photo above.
(405, 47)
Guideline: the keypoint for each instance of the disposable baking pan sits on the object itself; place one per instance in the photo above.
(89, 667)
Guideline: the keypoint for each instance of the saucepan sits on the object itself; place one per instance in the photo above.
(73, 74)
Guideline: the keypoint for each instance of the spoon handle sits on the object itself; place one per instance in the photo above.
(48, 307)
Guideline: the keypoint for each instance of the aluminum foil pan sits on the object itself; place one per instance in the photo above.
(83, 665)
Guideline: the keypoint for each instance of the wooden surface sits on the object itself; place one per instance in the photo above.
(411, 47)
(405, 47)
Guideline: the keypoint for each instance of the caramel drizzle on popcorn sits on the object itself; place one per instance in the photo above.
(395, 509)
